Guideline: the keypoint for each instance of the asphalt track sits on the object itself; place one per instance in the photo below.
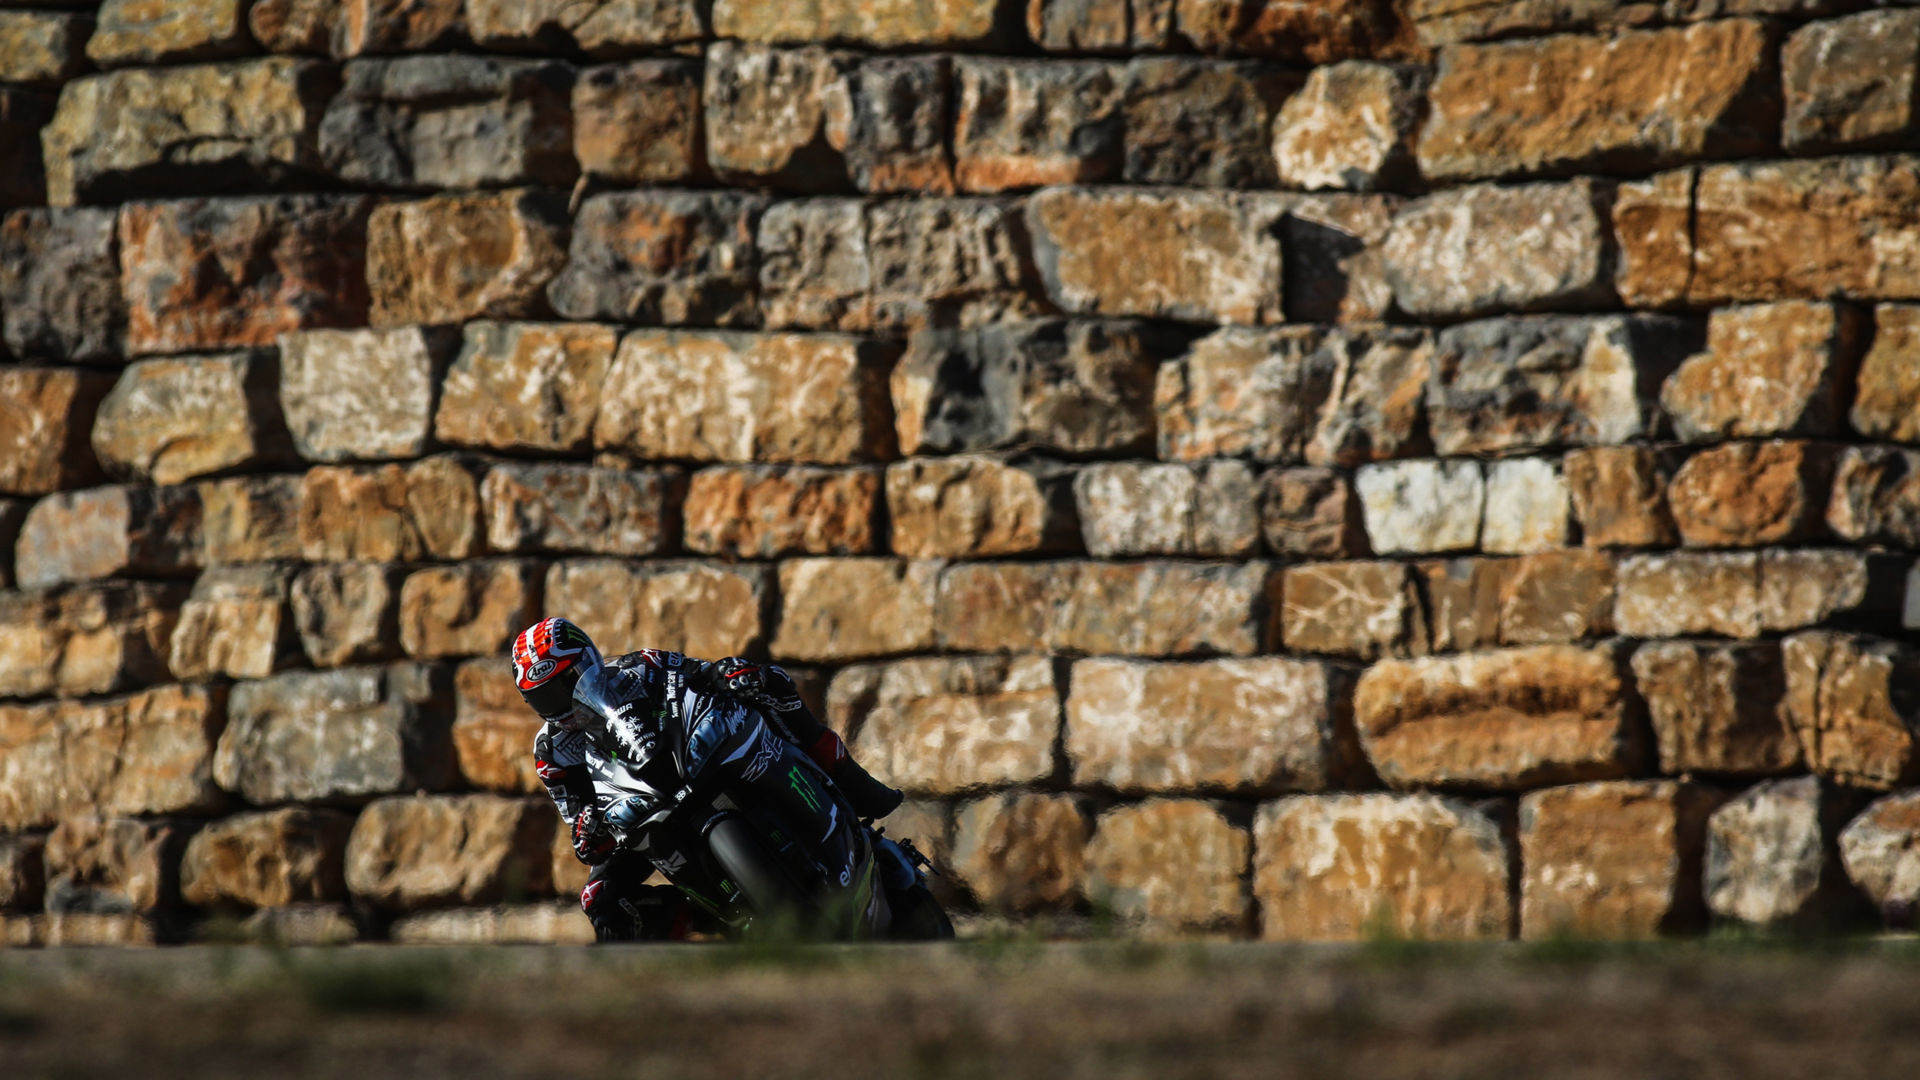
(1003, 1010)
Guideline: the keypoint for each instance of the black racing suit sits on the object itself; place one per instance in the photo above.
(737, 724)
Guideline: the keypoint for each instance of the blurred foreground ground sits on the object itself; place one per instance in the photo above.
(983, 1009)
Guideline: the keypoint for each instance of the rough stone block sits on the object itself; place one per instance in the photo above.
(1616, 860)
(1716, 707)
(347, 613)
(248, 519)
(357, 395)
(1691, 593)
(1773, 857)
(597, 27)
(1361, 609)
(363, 27)
(950, 263)
(1320, 33)
(46, 417)
(1483, 249)
(113, 865)
(1886, 403)
(1172, 865)
(1619, 496)
(1112, 251)
(1809, 587)
(547, 923)
(1464, 599)
(1531, 383)
(770, 511)
(1653, 226)
(1421, 506)
(170, 420)
(1342, 867)
(1351, 127)
(1621, 104)
(731, 397)
(22, 872)
(435, 851)
(640, 122)
(389, 513)
(847, 609)
(298, 925)
(1854, 704)
(474, 608)
(493, 731)
(1564, 595)
(104, 531)
(815, 267)
(1838, 227)
(1849, 82)
(1127, 609)
(1202, 123)
(154, 32)
(949, 725)
(1336, 271)
(60, 294)
(293, 26)
(97, 639)
(1029, 123)
(155, 132)
(1143, 509)
(1021, 853)
(63, 758)
(972, 506)
(579, 508)
(766, 115)
(1100, 25)
(662, 258)
(1881, 851)
(1527, 507)
(1769, 369)
(336, 736)
(269, 859)
(237, 623)
(1876, 496)
(876, 24)
(532, 386)
(45, 48)
(701, 609)
(1240, 392)
(205, 274)
(453, 258)
(1373, 380)
(888, 119)
(1752, 493)
(1507, 720)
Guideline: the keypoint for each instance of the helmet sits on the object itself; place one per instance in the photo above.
(548, 659)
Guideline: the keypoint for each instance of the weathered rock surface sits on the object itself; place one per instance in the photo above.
(1351, 127)
(433, 851)
(357, 395)
(429, 509)
(1028, 123)
(237, 622)
(1773, 860)
(509, 924)
(534, 386)
(60, 298)
(44, 48)
(1336, 271)
(1420, 506)
(1716, 708)
(1467, 601)
(766, 115)
(451, 122)
(1319, 34)
(701, 609)
(1528, 508)
(1100, 25)
(1886, 403)
(1614, 860)
(949, 725)
(579, 508)
(493, 730)
(1619, 496)
(1854, 703)
(97, 639)
(1739, 594)
(1172, 865)
(473, 608)
(1242, 726)
(1310, 513)
(63, 758)
(950, 263)
(246, 519)
(1506, 720)
(731, 397)
(886, 24)
(1482, 250)
(46, 416)
(271, 859)
(453, 258)
(362, 27)
(1021, 853)
(145, 32)
(1752, 493)
(1338, 867)
(1876, 496)
(1769, 369)
(1360, 609)
(1202, 123)
(1653, 226)
(347, 613)
(1197, 256)
(293, 26)
(103, 531)
(113, 865)
(170, 420)
(847, 609)
(1849, 82)
(815, 266)
(887, 117)
(970, 506)
(770, 511)
(336, 736)
(1129, 609)
(640, 122)
(299, 924)
(1138, 509)
(1879, 851)
(597, 27)
(1832, 227)
(1561, 595)
(662, 258)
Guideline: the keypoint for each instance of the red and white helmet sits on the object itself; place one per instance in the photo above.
(548, 659)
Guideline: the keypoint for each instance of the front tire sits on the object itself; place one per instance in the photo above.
(777, 901)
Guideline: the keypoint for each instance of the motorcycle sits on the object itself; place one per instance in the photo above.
(737, 858)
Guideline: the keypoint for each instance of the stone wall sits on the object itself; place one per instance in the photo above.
(1296, 470)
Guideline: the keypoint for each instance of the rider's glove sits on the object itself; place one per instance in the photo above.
(592, 841)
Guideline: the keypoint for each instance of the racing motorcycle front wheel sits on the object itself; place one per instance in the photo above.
(769, 890)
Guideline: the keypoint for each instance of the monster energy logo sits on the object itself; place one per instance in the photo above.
(803, 787)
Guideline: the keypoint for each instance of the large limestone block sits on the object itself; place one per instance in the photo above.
(1741, 594)
(1614, 860)
(359, 395)
(96, 639)
(453, 258)
(1653, 225)
(1773, 857)
(1465, 599)
(525, 386)
(1021, 853)
(170, 420)
(950, 263)
(1336, 269)
(1421, 506)
(579, 508)
(1172, 865)
(1850, 82)
(1831, 227)
(451, 122)
(390, 513)
(1360, 609)
(1099, 26)
(1343, 867)
(1747, 494)
(766, 115)
(770, 511)
(361, 27)
(44, 48)
(507, 924)
(1561, 595)
(1483, 249)
(888, 118)
(1619, 496)
(1242, 726)
(876, 24)
(846, 609)
(1531, 383)
(816, 270)
(1141, 509)
(1310, 513)
(640, 122)
(178, 130)
(348, 613)
(1627, 103)
(1351, 127)
(1769, 369)
(1077, 387)
(1716, 708)
(1886, 403)
(270, 859)
(1881, 850)
(62, 758)
(1202, 123)
(1854, 703)
(46, 418)
(149, 32)
(1876, 496)
(493, 730)
(732, 397)
(597, 27)
(293, 26)
(113, 865)
(238, 622)
(470, 609)
(206, 274)
(1129, 609)
(701, 609)
(949, 725)
(436, 851)
(1028, 123)
(336, 736)
(1528, 508)
(1320, 33)
(1812, 586)
(104, 531)
(247, 519)
(970, 506)
(1198, 256)
(662, 258)
(60, 298)
(1509, 719)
